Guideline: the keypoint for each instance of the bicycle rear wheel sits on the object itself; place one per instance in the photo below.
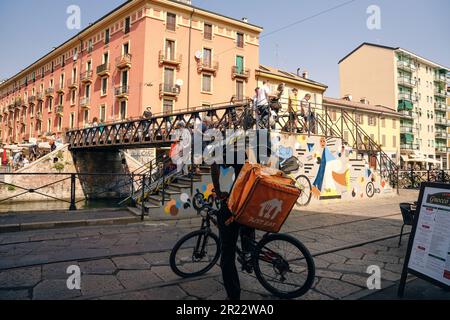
(304, 184)
(284, 266)
(195, 254)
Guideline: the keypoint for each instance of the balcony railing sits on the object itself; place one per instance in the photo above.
(208, 66)
(103, 70)
(238, 72)
(441, 121)
(440, 93)
(408, 129)
(31, 99)
(61, 87)
(73, 84)
(124, 61)
(441, 135)
(122, 92)
(59, 110)
(405, 96)
(406, 82)
(409, 146)
(407, 114)
(440, 107)
(171, 59)
(85, 102)
(440, 78)
(18, 102)
(11, 107)
(86, 76)
(50, 92)
(39, 96)
(405, 65)
(168, 90)
(441, 149)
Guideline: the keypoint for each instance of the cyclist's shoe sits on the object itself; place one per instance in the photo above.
(247, 262)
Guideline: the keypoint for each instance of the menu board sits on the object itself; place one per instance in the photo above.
(428, 255)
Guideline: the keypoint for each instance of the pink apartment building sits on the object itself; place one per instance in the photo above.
(160, 53)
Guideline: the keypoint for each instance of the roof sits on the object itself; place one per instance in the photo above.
(360, 106)
(94, 24)
(393, 49)
(289, 75)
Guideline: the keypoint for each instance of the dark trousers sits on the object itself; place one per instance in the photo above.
(228, 239)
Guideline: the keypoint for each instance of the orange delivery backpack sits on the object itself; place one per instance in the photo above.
(262, 198)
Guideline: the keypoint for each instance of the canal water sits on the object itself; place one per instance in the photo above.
(57, 205)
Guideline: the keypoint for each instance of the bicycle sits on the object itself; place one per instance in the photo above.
(292, 276)
(302, 182)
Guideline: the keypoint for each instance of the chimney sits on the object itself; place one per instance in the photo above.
(245, 20)
(364, 100)
(347, 97)
(305, 74)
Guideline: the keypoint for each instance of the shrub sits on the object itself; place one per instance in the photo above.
(59, 166)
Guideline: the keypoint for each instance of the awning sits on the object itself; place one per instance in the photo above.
(409, 137)
(405, 105)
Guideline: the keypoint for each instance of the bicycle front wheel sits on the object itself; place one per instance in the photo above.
(195, 254)
(284, 266)
(303, 183)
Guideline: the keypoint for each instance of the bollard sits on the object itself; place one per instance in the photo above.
(73, 206)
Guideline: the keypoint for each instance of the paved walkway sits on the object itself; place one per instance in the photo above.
(131, 261)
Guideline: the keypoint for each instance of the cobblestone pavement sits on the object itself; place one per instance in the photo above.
(131, 261)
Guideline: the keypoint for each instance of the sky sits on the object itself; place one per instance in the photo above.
(316, 36)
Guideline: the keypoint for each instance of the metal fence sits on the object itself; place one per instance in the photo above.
(412, 179)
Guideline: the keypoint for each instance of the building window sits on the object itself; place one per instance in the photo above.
(394, 124)
(50, 104)
(103, 113)
(59, 124)
(171, 21)
(394, 141)
(333, 115)
(240, 40)
(61, 99)
(239, 90)
(105, 57)
(207, 32)
(359, 119)
(72, 120)
(90, 46)
(126, 48)
(127, 25)
(49, 125)
(383, 140)
(88, 91)
(86, 117)
(72, 97)
(123, 110)
(206, 83)
(383, 122)
(107, 36)
(104, 86)
(167, 106)
(372, 121)
(170, 50)
(207, 57)
(346, 135)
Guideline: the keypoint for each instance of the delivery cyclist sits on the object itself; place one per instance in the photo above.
(229, 233)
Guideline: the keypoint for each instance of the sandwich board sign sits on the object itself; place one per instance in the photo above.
(428, 254)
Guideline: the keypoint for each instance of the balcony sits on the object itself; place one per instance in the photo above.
(241, 73)
(441, 149)
(409, 146)
(103, 70)
(39, 96)
(18, 102)
(440, 93)
(61, 88)
(440, 78)
(168, 90)
(59, 110)
(122, 92)
(170, 59)
(11, 107)
(440, 107)
(123, 62)
(208, 66)
(405, 96)
(50, 92)
(407, 114)
(407, 82)
(86, 77)
(85, 103)
(408, 129)
(72, 84)
(441, 121)
(31, 99)
(441, 135)
(405, 65)
(38, 116)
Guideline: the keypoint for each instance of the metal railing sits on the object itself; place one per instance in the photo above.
(412, 179)
(69, 188)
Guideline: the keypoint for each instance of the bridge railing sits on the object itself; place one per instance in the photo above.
(71, 189)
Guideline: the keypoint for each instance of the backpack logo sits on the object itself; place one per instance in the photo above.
(271, 209)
